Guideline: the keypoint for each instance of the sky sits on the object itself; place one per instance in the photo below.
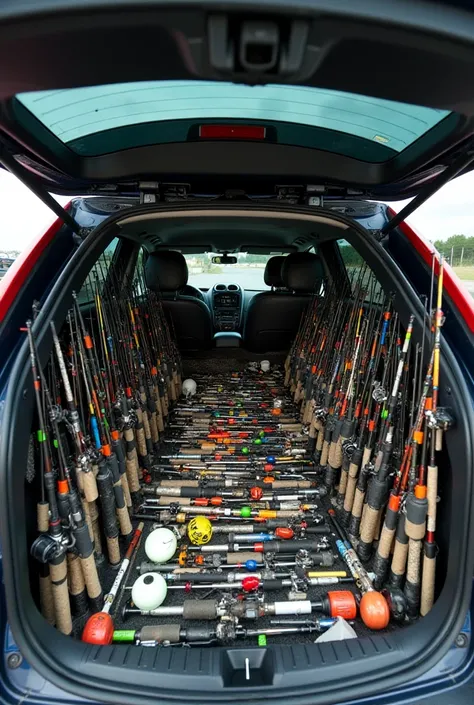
(23, 216)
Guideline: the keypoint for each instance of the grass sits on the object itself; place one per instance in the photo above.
(465, 272)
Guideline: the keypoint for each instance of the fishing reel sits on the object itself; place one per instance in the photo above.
(299, 585)
(442, 419)
(250, 608)
(124, 408)
(320, 413)
(173, 508)
(349, 446)
(226, 630)
(72, 422)
(57, 414)
(46, 548)
(379, 393)
(303, 559)
(369, 468)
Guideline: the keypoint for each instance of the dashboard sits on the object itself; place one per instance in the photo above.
(227, 307)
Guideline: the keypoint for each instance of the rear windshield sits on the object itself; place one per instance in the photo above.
(76, 115)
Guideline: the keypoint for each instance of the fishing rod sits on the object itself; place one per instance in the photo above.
(170, 634)
(99, 627)
(270, 544)
(358, 457)
(51, 546)
(335, 603)
(379, 396)
(374, 609)
(78, 526)
(378, 488)
(430, 490)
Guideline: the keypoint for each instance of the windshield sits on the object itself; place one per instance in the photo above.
(248, 272)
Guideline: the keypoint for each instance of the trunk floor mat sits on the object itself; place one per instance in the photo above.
(238, 387)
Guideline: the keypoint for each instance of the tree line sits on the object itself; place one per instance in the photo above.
(457, 249)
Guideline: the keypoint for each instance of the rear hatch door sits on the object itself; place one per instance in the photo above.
(349, 101)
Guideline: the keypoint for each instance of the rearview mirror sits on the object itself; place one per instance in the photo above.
(224, 259)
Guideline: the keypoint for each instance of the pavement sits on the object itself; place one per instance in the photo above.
(469, 284)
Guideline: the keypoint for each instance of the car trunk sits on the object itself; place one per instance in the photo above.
(289, 665)
(211, 115)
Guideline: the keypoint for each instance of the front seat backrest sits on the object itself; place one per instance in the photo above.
(273, 318)
(166, 273)
(272, 273)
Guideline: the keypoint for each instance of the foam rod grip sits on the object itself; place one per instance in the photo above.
(291, 427)
(132, 474)
(337, 453)
(243, 556)
(200, 609)
(89, 486)
(351, 482)
(320, 442)
(96, 536)
(159, 416)
(126, 490)
(42, 517)
(380, 563)
(76, 585)
(412, 584)
(160, 633)
(154, 428)
(62, 608)
(113, 550)
(324, 453)
(141, 442)
(124, 521)
(91, 578)
(428, 579)
(400, 552)
(306, 418)
(46, 595)
(367, 532)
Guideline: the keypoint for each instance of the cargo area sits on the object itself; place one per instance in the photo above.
(217, 509)
(269, 556)
(236, 418)
(236, 485)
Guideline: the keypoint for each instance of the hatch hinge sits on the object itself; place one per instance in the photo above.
(149, 192)
(378, 235)
(175, 192)
(301, 195)
(153, 191)
(80, 236)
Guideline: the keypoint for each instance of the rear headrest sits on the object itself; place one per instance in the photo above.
(272, 274)
(166, 271)
(301, 271)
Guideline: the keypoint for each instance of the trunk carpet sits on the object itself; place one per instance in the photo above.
(251, 387)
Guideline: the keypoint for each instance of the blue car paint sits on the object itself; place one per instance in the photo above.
(450, 682)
